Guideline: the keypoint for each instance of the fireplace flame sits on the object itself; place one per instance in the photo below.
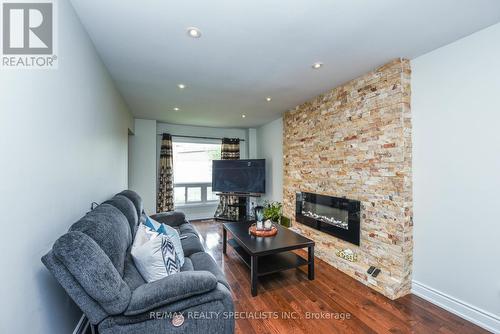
(325, 219)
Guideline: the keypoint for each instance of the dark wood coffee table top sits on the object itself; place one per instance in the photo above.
(283, 241)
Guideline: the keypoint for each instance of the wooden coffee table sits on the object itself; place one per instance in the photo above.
(268, 255)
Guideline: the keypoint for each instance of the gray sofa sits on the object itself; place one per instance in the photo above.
(93, 264)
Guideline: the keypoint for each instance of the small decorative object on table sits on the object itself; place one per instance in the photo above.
(268, 225)
(259, 217)
(263, 233)
(348, 255)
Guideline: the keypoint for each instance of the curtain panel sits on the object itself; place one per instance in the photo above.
(165, 194)
(230, 149)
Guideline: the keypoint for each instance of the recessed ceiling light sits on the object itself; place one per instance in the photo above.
(181, 86)
(317, 65)
(177, 109)
(268, 99)
(243, 116)
(194, 32)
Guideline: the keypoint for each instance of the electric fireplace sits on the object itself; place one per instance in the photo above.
(337, 216)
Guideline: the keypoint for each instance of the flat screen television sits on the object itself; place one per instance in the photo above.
(239, 176)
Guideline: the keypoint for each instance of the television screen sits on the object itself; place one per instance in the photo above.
(239, 176)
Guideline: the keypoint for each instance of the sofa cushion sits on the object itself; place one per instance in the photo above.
(109, 228)
(188, 265)
(131, 275)
(172, 218)
(191, 244)
(128, 209)
(183, 285)
(93, 269)
(136, 199)
(203, 261)
(188, 228)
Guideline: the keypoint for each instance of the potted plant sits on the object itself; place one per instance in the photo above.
(272, 211)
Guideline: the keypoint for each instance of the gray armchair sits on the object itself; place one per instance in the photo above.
(93, 264)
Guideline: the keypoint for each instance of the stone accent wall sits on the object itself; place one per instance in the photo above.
(355, 142)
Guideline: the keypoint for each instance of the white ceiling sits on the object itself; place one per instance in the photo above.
(251, 49)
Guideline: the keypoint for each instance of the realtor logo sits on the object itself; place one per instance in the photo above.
(28, 35)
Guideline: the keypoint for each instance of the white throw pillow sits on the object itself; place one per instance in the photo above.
(156, 258)
(143, 235)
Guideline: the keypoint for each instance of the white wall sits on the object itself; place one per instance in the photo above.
(456, 164)
(142, 173)
(270, 147)
(252, 143)
(63, 144)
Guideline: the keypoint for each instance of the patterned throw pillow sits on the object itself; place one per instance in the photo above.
(174, 235)
(153, 257)
(170, 258)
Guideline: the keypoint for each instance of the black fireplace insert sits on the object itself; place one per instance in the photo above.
(337, 216)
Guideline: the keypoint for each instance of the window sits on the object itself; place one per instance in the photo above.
(193, 171)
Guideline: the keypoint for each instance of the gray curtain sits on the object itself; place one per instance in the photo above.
(165, 194)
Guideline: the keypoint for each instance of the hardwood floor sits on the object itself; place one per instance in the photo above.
(288, 301)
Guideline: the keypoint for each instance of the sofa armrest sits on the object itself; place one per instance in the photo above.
(172, 218)
(170, 289)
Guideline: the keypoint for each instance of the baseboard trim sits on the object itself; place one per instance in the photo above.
(82, 325)
(464, 310)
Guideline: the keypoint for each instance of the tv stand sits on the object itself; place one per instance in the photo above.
(234, 207)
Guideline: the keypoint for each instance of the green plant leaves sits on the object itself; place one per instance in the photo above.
(272, 210)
